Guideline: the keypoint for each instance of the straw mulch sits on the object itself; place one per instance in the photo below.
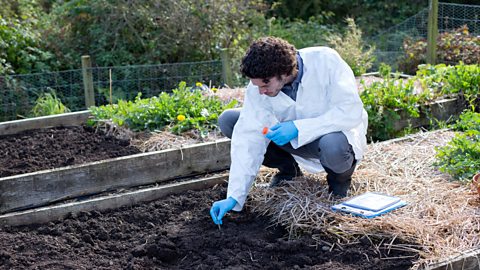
(162, 140)
(156, 140)
(441, 219)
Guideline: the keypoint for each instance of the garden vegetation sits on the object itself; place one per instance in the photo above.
(52, 35)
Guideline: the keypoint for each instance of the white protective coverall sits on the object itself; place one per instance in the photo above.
(327, 101)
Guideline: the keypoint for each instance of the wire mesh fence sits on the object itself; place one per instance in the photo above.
(389, 44)
(18, 93)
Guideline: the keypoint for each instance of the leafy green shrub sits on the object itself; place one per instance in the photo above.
(465, 80)
(146, 31)
(385, 100)
(20, 48)
(371, 16)
(352, 48)
(446, 80)
(469, 120)
(185, 109)
(48, 104)
(461, 156)
(385, 70)
(300, 33)
(452, 47)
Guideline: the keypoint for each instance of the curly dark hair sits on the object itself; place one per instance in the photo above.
(268, 57)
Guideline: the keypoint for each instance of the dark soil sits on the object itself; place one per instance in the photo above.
(176, 233)
(173, 233)
(43, 149)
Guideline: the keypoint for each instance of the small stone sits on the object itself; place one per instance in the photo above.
(364, 240)
(87, 238)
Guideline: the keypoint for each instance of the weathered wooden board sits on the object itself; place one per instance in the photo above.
(66, 119)
(468, 260)
(441, 110)
(44, 187)
(46, 214)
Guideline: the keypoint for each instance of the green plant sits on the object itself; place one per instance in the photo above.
(443, 80)
(461, 156)
(386, 100)
(352, 48)
(48, 104)
(184, 109)
(147, 31)
(371, 16)
(114, 96)
(302, 34)
(465, 79)
(452, 47)
(20, 48)
(385, 70)
(469, 120)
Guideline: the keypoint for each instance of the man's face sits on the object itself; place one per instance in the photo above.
(269, 86)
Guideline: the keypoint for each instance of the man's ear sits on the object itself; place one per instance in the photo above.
(284, 78)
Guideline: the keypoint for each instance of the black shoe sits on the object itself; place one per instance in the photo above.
(339, 183)
(275, 157)
(281, 178)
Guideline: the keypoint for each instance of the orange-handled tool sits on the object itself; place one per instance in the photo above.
(265, 131)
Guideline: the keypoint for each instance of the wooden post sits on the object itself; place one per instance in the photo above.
(432, 32)
(88, 81)
(226, 68)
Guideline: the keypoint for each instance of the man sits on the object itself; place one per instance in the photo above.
(309, 101)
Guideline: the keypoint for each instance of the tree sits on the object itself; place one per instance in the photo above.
(118, 32)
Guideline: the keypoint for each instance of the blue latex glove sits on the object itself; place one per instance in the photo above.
(220, 208)
(282, 133)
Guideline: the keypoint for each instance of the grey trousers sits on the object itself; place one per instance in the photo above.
(333, 150)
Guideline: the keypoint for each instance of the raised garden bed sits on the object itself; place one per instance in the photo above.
(177, 233)
(129, 172)
(46, 149)
(88, 166)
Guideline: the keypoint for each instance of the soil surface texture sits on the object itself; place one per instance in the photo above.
(43, 149)
(177, 233)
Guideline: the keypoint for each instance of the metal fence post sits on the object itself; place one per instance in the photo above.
(432, 32)
(226, 68)
(88, 81)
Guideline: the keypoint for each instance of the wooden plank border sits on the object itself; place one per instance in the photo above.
(66, 119)
(47, 214)
(441, 110)
(468, 260)
(42, 188)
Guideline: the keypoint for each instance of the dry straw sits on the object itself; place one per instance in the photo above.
(162, 140)
(442, 217)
